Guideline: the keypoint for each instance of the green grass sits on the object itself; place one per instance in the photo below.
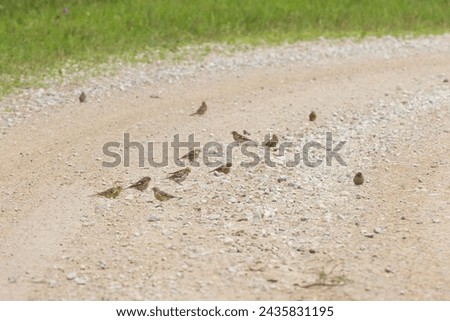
(38, 37)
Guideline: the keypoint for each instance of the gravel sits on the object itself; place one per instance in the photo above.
(80, 281)
(19, 107)
(289, 222)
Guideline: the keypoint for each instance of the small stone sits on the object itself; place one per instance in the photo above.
(369, 235)
(269, 212)
(71, 275)
(102, 264)
(80, 281)
(378, 230)
(312, 251)
(445, 80)
(52, 283)
(228, 241)
(282, 179)
(388, 270)
(295, 185)
(232, 269)
(153, 218)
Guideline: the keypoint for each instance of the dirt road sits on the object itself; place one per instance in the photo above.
(284, 233)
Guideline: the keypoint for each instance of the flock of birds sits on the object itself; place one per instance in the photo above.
(181, 175)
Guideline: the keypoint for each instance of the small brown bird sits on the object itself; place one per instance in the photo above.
(192, 155)
(142, 184)
(201, 110)
(112, 192)
(273, 141)
(160, 195)
(226, 168)
(240, 138)
(358, 179)
(312, 116)
(180, 176)
(82, 97)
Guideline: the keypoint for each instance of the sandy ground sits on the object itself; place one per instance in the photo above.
(259, 233)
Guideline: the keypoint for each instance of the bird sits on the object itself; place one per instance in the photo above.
(192, 155)
(226, 168)
(179, 176)
(82, 97)
(142, 184)
(312, 116)
(240, 138)
(202, 109)
(273, 141)
(112, 192)
(358, 179)
(160, 195)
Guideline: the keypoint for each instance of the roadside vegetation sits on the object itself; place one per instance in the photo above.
(45, 37)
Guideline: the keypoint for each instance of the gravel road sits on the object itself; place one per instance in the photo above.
(262, 232)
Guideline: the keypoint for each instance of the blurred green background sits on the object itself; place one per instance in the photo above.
(39, 37)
